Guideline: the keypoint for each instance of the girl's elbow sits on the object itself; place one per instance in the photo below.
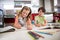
(17, 26)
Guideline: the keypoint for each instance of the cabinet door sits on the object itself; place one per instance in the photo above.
(1, 19)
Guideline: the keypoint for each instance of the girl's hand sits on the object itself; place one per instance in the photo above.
(29, 27)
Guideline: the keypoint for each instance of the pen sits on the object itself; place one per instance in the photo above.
(43, 33)
(35, 35)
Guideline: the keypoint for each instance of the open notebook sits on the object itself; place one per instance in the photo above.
(49, 26)
(7, 29)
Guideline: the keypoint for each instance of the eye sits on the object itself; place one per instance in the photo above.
(24, 12)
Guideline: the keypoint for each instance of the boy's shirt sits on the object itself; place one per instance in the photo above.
(39, 19)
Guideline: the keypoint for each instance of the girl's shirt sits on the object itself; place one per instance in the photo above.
(22, 21)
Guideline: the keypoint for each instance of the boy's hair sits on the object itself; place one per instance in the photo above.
(42, 8)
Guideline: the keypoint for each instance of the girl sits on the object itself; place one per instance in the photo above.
(40, 19)
(23, 18)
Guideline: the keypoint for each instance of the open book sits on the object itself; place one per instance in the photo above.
(49, 26)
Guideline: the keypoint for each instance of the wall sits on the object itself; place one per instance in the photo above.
(1, 5)
(58, 3)
(48, 6)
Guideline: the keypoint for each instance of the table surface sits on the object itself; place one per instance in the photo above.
(21, 34)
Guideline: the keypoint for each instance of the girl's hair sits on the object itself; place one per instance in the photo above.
(42, 8)
(26, 8)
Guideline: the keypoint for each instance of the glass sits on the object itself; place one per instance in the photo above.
(50, 25)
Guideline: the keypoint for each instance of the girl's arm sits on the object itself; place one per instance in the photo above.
(16, 24)
(29, 24)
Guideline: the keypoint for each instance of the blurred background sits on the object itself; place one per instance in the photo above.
(12, 7)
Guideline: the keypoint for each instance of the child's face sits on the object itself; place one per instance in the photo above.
(25, 13)
(41, 13)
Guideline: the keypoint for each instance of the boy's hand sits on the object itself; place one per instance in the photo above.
(43, 24)
(38, 25)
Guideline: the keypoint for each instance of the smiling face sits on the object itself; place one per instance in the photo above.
(41, 13)
(25, 13)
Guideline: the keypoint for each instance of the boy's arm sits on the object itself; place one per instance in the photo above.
(45, 23)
